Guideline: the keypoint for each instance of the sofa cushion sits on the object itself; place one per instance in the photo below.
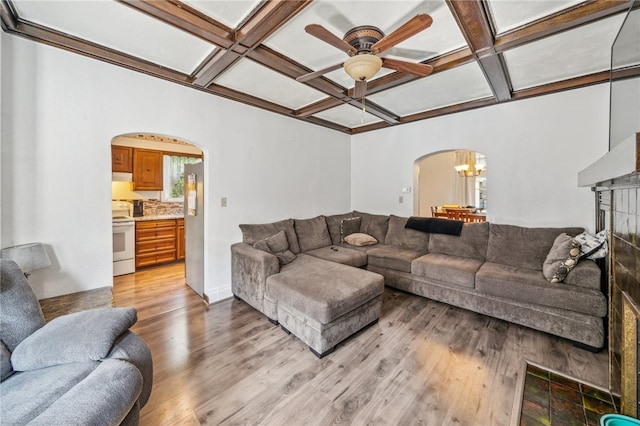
(312, 233)
(360, 240)
(393, 257)
(374, 224)
(333, 224)
(562, 258)
(341, 254)
(349, 226)
(278, 245)
(445, 268)
(323, 290)
(522, 247)
(530, 286)
(254, 233)
(471, 243)
(398, 235)
(27, 395)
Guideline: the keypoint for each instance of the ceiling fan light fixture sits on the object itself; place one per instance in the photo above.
(362, 67)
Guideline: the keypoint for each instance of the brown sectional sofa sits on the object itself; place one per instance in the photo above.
(333, 289)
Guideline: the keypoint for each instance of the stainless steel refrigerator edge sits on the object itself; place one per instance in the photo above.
(194, 230)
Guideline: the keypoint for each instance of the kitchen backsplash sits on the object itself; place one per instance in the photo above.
(159, 208)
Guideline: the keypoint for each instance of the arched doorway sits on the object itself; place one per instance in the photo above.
(151, 185)
(453, 177)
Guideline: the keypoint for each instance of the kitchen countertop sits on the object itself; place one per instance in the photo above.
(159, 217)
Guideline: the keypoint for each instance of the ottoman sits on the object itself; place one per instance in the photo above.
(322, 302)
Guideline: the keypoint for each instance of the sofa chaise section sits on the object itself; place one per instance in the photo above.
(321, 302)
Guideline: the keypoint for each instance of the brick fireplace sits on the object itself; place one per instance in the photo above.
(618, 207)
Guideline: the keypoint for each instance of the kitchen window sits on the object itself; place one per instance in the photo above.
(173, 175)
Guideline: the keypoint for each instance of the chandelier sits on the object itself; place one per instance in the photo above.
(466, 165)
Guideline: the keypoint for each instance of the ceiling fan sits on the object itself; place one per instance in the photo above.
(363, 44)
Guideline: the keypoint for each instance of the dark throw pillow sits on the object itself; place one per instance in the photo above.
(349, 226)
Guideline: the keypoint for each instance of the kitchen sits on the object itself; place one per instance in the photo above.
(148, 197)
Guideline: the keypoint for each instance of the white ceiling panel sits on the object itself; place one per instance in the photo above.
(510, 14)
(574, 53)
(249, 77)
(627, 48)
(348, 116)
(120, 28)
(229, 12)
(340, 16)
(461, 84)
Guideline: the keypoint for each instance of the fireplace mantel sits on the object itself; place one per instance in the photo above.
(622, 160)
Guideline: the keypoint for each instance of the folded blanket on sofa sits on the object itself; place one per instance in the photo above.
(435, 225)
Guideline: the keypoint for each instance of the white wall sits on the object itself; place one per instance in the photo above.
(534, 149)
(61, 112)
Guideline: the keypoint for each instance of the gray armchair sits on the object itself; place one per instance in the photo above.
(78, 369)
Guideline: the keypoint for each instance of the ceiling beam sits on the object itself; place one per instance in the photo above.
(184, 17)
(267, 19)
(319, 106)
(262, 23)
(7, 19)
(279, 63)
(376, 110)
(95, 51)
(474, 24)
(439, 64)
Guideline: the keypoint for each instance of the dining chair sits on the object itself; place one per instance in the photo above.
(458, 214)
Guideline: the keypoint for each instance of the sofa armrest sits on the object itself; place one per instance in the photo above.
(131, 348)
(250, 269)
(585, 274)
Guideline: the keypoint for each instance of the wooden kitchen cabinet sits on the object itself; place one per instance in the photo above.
(147, 170)
(180, 238)
(155, 242)
(121, 159)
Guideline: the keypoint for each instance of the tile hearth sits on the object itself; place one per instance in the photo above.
(551, 398)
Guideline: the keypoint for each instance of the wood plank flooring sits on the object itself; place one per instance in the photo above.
(423, 363)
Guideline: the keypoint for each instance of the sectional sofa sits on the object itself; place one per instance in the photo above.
(302, 274)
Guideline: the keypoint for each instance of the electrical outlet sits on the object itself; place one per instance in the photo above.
(401, 199)
(223, 202)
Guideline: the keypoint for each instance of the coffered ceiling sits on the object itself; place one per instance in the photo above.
(252, 51)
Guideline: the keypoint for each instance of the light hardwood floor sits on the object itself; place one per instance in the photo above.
(423, 363)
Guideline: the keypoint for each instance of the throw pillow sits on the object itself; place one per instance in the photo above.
(562, 257)
(77, 337)
(358, 239)
(349, 226)
(278, 245)
(593, 246)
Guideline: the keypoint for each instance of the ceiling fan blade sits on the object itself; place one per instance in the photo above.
(410, 28)
(312, 75)
(360, 89)
(320, 32)
(421, 70)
